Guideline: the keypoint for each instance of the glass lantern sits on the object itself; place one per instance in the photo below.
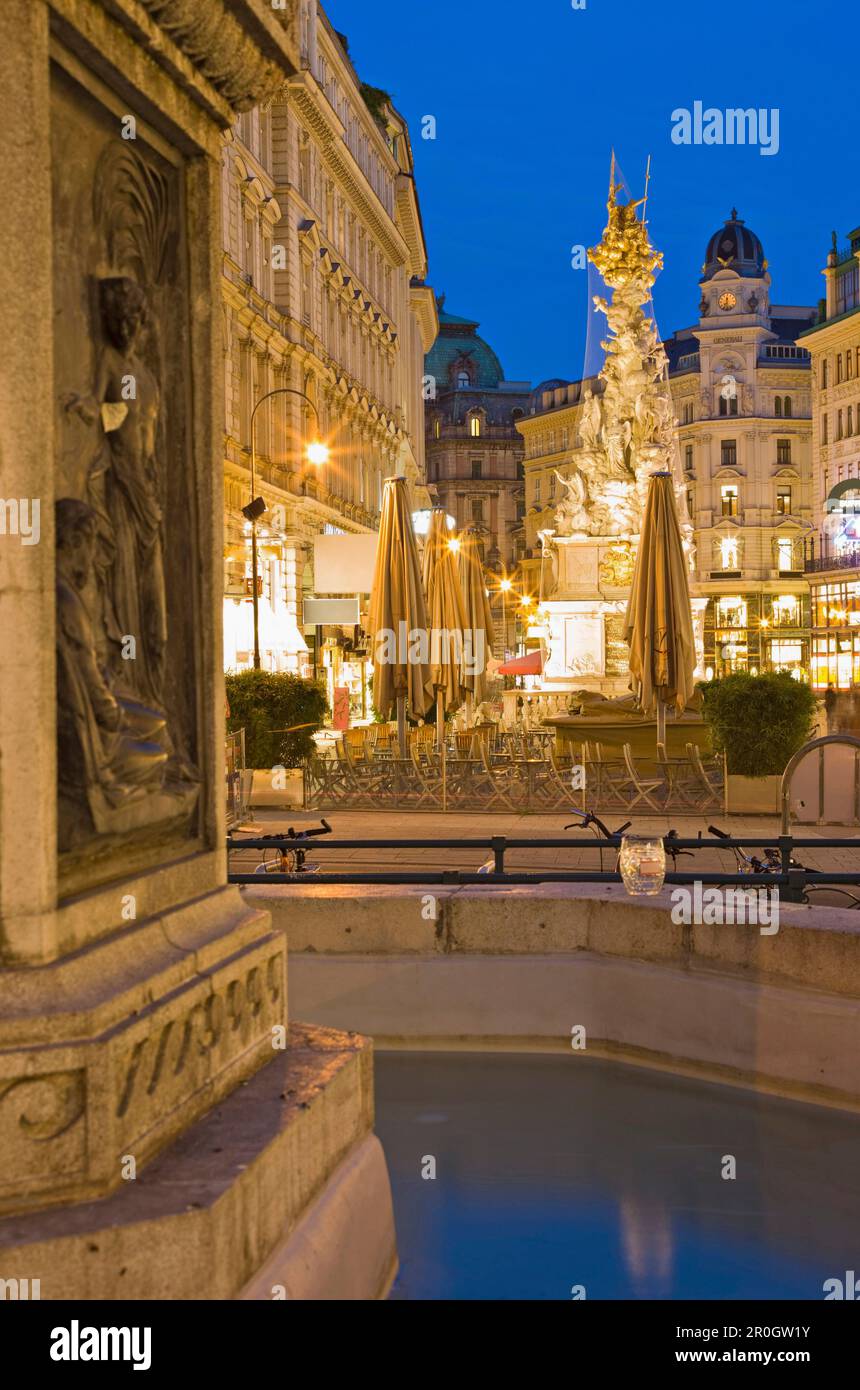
(642, 862)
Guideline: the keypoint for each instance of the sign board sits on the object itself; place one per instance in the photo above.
(344, 564)
(330, 612)
(340, 712)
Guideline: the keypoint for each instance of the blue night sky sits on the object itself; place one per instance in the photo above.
(529, 98)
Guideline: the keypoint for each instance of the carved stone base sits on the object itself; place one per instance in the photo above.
(280, 1191)
(108, 1054)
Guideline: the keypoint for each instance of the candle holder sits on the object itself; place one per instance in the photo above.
(642, 862)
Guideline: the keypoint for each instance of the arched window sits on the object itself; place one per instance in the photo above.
(464, 381)
(786, 407)
(475, 426)
(778, 405)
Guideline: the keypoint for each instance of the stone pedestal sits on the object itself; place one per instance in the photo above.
(137, 990)
(586, 615)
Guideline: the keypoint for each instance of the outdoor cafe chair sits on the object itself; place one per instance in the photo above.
(710, 778)
(641, 788)
(427, 778)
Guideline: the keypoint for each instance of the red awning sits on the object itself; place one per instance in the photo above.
(529, 665)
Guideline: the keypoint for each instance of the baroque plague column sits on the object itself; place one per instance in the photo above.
(137, 989)
(626, 433)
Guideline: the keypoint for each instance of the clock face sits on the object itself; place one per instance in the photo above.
(727, 300)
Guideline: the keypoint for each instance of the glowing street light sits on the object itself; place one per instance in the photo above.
(318, 453)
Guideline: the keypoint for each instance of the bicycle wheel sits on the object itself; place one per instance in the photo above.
(830, 896)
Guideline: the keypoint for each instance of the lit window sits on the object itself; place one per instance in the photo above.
(729, 553)
(729, 497)
(785, 554)
(783, 501)
(475, 426)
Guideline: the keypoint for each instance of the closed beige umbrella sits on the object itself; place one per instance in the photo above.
(659, 622)
(398, 617)
(479, 623)
(446, 611)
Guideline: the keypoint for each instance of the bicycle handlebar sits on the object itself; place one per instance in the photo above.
(323, 829)
(720, 834)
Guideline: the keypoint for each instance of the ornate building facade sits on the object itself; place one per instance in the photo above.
(474, 453)
(743, 404)
(833, 567)
(324, 302)
(741, 390)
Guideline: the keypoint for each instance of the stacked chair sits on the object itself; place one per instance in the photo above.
(487, 769)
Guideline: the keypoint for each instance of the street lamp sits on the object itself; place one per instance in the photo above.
(317, 453)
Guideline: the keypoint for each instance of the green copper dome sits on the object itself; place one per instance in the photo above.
(458, 353)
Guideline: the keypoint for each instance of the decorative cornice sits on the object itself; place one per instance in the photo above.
(244, 50)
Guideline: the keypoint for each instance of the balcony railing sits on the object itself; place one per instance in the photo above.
(820, 563)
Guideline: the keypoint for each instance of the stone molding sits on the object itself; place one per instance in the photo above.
(243, 54)
(114, 1050)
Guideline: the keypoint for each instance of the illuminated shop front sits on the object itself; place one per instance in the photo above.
(757, 633)
(282, 644)
(836, 634)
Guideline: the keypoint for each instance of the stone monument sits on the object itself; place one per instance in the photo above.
(626, 432)
(162, 1132)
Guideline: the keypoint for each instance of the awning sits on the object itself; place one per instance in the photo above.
(529, 665)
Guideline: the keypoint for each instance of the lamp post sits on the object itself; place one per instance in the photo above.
(317, 453)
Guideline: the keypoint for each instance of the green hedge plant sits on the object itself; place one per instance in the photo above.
(759, 722)
(263, 701)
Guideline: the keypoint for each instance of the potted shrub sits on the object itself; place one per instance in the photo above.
(758, 723)
(266, 704)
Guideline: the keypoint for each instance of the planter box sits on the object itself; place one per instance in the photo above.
(753, 794)
(290, 795)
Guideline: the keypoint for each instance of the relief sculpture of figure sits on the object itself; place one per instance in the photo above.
(124, 489)
(572, 512)
(106, 756)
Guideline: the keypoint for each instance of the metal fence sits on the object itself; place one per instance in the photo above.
(238, 779)
(792, 879)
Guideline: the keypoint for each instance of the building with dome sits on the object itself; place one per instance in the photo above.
(473, 450)
(743, 402)
(741, 386)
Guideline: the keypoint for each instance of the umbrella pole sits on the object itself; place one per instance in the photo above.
(469, 714)
(444, 775)
(401, 725)
(661, 724)
(440, 720)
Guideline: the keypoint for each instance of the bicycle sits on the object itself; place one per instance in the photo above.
(288, 860)
(811, 894)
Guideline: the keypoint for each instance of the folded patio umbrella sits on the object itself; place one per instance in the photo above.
(479, 622)
(398, 617)
(659, 625)
(446, 612)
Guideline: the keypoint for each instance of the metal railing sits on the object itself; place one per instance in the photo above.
(820, 563)
(238, 790)
(788, 877)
